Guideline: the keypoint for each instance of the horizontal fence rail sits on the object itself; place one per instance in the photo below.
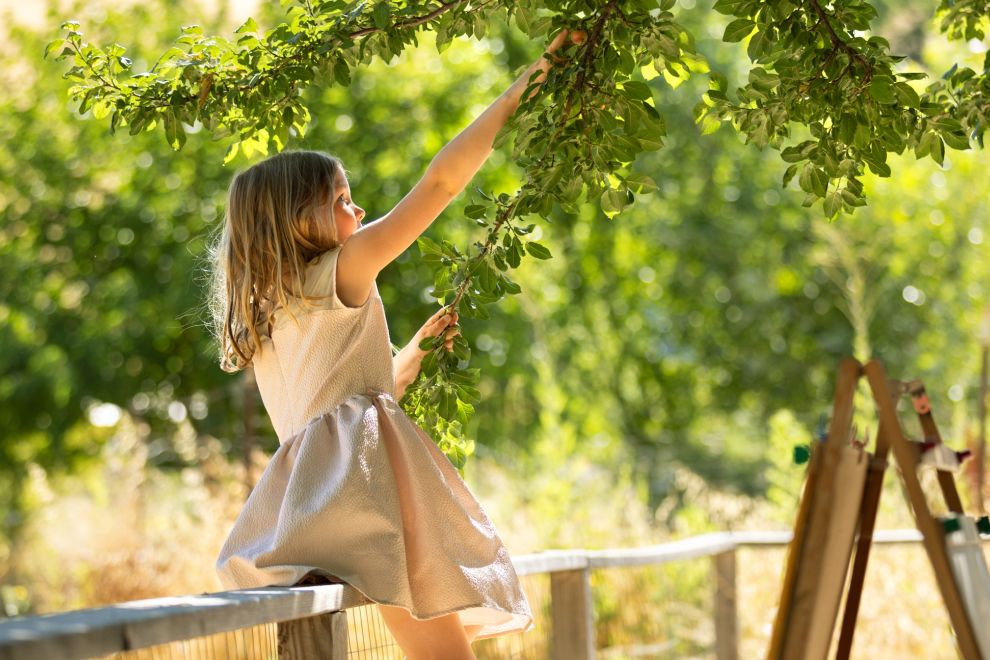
(147, 623)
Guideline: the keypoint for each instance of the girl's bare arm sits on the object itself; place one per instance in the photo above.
(375, 245)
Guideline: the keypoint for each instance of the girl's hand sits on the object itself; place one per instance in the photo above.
(546, 60)
(407, 362)
(441, 321)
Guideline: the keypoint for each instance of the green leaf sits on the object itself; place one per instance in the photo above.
(636, 90)
(537, 250)
(513, 257)
(342, 72)
(738, 30)
(428, 246)
(762, 79)
(947, 124)
(487, 280)
(938, 150)
(175, 134)
(55, 45)
(381, 15)
(759, 46)
(833, 204)
(641, 183)
(475, 211)
(526, 22)
(709, 124)
(509, 286)
(461, 348)
(954, 140)
(789, 174)
(881, 91)
(249, 26)
(906, 95)
(813, 180)
(612, 202)
(231, 153)
(729, 7)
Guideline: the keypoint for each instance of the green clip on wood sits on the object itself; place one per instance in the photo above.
(950, 525)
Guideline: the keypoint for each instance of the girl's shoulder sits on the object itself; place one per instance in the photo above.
(319, 287)
(320, 273)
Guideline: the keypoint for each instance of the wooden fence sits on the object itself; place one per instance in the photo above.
(313, 619)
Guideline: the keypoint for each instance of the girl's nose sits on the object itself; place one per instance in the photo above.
(360, 214)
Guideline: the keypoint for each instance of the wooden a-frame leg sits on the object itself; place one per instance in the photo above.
(931, 532)
(867, 523)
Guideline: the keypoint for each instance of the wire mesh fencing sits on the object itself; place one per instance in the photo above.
(254, 643)
(532, 645)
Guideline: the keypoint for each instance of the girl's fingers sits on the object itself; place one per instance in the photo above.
(436, 323)
(449, 335)
(557, 41)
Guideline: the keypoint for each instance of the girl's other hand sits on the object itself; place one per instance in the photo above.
(548, 58)
(441, 322)
(407, 362)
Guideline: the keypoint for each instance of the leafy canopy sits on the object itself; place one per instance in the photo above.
(820, 90)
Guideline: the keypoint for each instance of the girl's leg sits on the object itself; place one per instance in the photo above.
(471, 632)
(442, 638)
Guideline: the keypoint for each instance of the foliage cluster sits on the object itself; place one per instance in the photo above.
(813, 67)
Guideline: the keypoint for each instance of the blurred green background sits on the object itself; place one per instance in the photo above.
(650, 381)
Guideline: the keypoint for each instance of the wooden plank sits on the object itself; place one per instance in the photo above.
(572, 616)
(323, 636)
(695, 547)
(144, 623)
(781, 538)
(867, 521)
(726, 624)
(801, 576)
(549, 561)
(931, 532)
(928, 427)
(819, 604)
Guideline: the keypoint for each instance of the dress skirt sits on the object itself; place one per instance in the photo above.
(362, 495)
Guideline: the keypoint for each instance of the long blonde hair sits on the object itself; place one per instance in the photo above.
(279, 216)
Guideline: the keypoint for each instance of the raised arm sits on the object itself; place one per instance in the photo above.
(375, 245)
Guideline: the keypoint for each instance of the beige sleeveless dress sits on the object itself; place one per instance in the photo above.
(356, 491)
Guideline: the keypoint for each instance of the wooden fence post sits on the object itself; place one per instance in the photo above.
(726, 627)
(572, 615)
(322, 636)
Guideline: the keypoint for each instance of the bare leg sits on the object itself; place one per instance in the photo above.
(471, 632)
(442, 638)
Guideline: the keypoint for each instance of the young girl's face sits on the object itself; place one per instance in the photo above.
(346, 214)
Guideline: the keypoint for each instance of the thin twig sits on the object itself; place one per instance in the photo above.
(838, 42)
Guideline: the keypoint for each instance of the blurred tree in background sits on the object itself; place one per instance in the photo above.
(659, 341)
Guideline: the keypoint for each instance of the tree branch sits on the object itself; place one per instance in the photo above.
(838, 42)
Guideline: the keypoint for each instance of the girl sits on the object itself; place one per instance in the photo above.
(356, 492)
